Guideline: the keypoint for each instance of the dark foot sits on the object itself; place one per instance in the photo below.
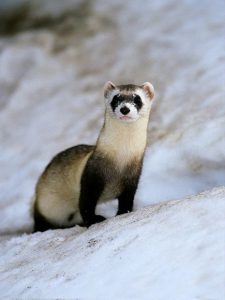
(123, 212)
(41, 224)
(95, 219)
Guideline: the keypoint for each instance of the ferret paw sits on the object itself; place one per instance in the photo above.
(99, 218)
(94, 220)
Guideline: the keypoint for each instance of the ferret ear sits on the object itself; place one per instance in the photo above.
(108, 87)
(149, 89)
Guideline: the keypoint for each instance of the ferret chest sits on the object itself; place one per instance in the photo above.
(117, 174)
(111, 190)
(123, 145)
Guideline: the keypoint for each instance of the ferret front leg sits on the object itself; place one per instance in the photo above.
(126, 199)
(92, 186)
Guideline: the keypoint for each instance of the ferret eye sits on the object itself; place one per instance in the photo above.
(115, 101)
(137, 101)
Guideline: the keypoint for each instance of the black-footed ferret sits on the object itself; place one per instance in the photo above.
(76, 179)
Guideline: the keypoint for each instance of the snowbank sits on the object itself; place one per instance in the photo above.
(173, 250)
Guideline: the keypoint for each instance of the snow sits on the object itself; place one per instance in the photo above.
(51, 81)
(173, 250)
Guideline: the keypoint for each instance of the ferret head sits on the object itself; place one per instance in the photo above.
(130, 102)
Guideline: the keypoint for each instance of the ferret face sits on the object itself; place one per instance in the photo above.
(128, 103)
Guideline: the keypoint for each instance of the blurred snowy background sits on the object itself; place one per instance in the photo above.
(55, 57)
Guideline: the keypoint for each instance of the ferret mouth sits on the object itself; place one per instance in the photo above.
(125, 118)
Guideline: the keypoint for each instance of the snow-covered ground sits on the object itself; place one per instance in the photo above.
(173, 250)
(53, 66)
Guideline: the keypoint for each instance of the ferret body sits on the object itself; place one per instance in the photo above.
(78, 178)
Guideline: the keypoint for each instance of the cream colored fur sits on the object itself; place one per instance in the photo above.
(58, 193)
(122, 141)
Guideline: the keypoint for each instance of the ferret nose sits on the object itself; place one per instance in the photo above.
(124, 110)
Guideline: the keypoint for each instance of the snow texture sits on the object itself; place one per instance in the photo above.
(53, 66)
(173, 250)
